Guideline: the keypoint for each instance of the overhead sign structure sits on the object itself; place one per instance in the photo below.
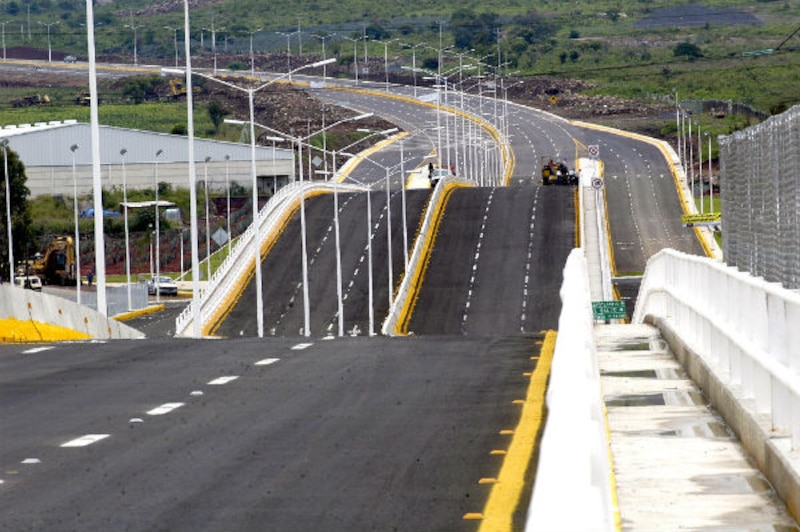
(609, 310)
(707, 219)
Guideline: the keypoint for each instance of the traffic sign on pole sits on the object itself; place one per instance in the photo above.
(608, 310)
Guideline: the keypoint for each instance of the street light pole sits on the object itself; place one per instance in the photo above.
(4, 143)
(49, 47)
(208, 223)
(228, 189)
(122, 152)
(133, 26)
(174, 40)
(252, 57)
(74, 148)
(158, 229)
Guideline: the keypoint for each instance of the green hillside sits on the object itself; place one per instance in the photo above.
(642, 49)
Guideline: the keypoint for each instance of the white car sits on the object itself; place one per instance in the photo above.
(165, 286)
(31, 282)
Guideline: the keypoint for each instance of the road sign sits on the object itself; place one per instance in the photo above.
(608, 310)
(594, 150)
(709, 218)
(597, 183)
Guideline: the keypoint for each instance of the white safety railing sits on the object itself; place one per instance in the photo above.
(236, 265)
(574, 469)
(744, 328)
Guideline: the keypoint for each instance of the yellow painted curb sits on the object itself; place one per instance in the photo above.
(30, 331)
(498, 514)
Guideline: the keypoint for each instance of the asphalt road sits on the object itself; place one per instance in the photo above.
(248, 434)
(282, 268)
(496, 266)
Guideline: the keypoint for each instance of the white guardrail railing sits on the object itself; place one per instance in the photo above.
(744, 328)
(234, 268)
(574, 467)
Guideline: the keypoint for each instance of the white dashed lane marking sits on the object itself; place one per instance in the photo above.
(267, 361)
(300, 347)
(83, 441)
(223, 380)
(34, 350)
(166, 408)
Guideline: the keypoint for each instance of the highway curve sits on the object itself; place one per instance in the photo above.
(496, 264)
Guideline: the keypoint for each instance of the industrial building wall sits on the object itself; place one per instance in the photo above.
(45, 180)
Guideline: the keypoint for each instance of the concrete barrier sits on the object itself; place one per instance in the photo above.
(574, 468)
(62, 318)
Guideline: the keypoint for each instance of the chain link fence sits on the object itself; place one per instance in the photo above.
(760, 190)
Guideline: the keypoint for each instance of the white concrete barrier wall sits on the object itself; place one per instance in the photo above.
(22, 304)
(573, 488)
(744, 328)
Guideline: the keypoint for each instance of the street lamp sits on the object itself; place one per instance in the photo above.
(49, 47)
(288, 50)
(3, 24)
(158, 229)
(228, 189)
(323, 38)
(134, 27)
(299, 141)
(252, 57)
(73, 149)
(257, 247)
(4, 143)
(710, 181)
(174, 40)
(208, 224)
(122, 152)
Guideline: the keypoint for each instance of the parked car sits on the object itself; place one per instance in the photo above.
(165, 286)
(31, 282)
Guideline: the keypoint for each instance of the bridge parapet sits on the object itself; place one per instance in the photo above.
(738, 339)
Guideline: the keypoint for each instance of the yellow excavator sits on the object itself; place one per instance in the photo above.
(55, 265)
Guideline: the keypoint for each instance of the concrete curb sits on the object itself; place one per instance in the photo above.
(771, 451)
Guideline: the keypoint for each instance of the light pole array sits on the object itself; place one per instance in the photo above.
(133, 26)
(251, 97)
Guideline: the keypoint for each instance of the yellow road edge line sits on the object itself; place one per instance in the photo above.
(498, 514)
(152, 309)
(15, 331)
(660, 145)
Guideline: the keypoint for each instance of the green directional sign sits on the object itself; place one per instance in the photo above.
(608, 310)
(710, 218)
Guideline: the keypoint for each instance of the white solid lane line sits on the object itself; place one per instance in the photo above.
(166, 408)
(83, 441)
(223, 380)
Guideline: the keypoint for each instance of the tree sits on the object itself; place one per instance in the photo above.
(20, 216)
(217, 113)
(688, 50)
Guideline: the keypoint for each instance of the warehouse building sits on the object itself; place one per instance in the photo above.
(57, 156)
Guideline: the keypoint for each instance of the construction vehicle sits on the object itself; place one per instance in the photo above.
(55, 265)
(178, 89)
(557, 173)
(31, 101)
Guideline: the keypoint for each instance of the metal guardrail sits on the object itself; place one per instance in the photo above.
(743, 327)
